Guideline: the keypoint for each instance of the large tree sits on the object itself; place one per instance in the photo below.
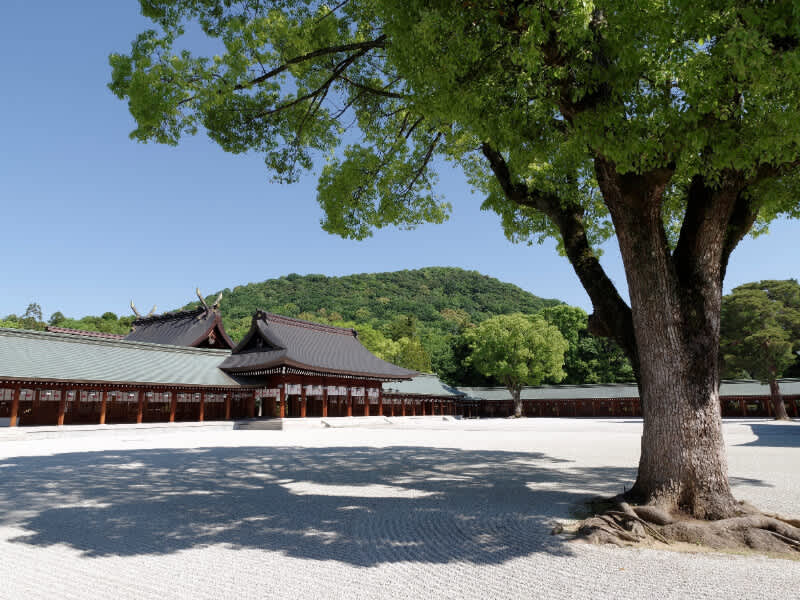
(761, 333)
(517, 350)
(672, 124)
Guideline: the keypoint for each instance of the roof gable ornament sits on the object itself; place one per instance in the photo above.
(214, 306)
(136, 312)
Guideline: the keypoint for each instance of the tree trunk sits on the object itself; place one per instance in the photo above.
(683, 463)
(778, 407)
(675, 305)
(516, 395)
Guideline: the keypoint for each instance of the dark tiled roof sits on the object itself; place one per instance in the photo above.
(84, 333)
(183, 328)
(275, 341)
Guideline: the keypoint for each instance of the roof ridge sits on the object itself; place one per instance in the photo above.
(77, 339)
(172, 315)
(275, 318)
(85, 332)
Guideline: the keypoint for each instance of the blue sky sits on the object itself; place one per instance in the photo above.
(91, 220)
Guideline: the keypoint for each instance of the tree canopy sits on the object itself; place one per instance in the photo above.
(761, 329)
(589, 359)
(551, 86)
(517, 350)
(760, 334)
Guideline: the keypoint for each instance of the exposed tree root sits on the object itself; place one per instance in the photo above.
(621, 524)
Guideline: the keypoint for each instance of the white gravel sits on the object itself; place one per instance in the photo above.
(423, 508)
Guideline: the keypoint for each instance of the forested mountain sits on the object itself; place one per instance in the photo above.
(378, 298)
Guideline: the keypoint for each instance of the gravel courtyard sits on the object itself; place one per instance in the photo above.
(423, 508)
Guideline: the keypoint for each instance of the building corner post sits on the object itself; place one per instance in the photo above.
(15, 406)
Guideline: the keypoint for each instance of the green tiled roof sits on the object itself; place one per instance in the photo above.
(54, 356)
(556, 392)
(421, 385)
(733, 387)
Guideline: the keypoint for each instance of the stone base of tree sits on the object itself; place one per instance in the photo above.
(615, 521)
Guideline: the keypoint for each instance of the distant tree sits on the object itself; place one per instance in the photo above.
(363, 314)
(402, 326)
(589, 359)
(457, 318)
(32, 319)
(290, 309)
(56, 319)
(374, 341)
(760, 333)
(518, 350)
(412, 355)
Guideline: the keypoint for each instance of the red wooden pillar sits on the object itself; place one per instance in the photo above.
(349, 403)
(380, 401)
(15, 406)
(103, 406)
(413, 407)
(35, 400)
(140, 407)
(201, 413)
(76, 406)
(251, 405)
(402, 407)
(423, 408)
(282, 411)
(227, 406)
(173, 405)
(324, 401)
(62, 405)
(366, 402)
(303, 401)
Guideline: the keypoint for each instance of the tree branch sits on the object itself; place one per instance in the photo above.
(423, 165)
(362, 47)
(745, 210)
(372, 90)
(612, 316)
(699, 250)
(321, 90)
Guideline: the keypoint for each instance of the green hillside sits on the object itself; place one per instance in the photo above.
(379, 298)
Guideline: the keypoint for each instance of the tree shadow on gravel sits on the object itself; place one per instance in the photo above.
(358, 505)
(775, 435)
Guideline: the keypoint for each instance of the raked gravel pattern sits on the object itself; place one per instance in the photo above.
(420, 508)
